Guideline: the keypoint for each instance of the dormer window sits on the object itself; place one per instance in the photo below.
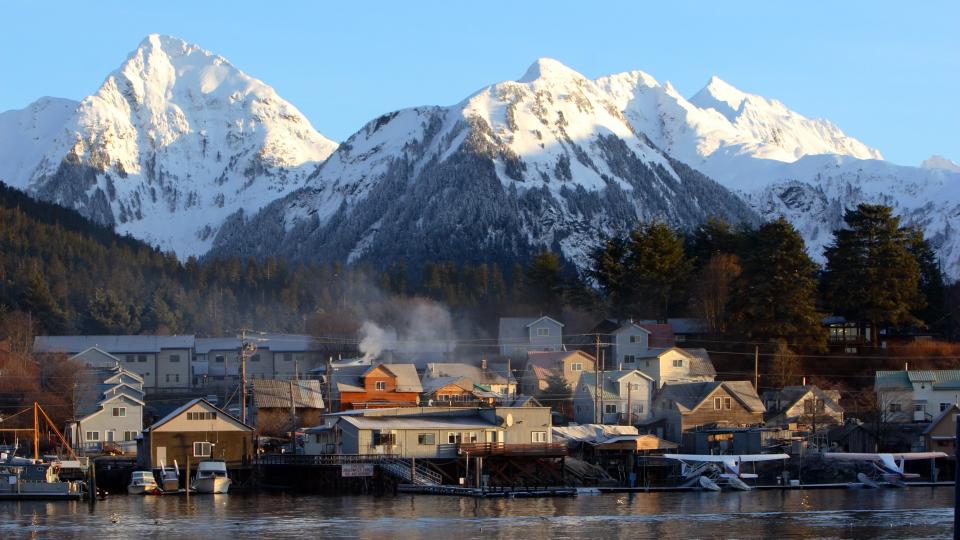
(543, 332)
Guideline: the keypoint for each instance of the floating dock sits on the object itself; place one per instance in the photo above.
(489, 492)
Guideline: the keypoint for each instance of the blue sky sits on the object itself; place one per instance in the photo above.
(887, 73)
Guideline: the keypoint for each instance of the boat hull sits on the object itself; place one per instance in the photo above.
(211, 485)
(142, 490)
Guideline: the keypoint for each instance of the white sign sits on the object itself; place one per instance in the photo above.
(356, 469)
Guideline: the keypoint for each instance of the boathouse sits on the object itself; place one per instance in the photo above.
(197, 430)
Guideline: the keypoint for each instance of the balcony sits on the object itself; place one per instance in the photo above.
(515, 450)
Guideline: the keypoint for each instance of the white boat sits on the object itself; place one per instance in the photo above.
(169, 477)
(211, 477)
(142, 483)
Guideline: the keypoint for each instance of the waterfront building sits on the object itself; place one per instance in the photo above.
(682, 407)
(109, 408)
(280, 406)
(494, 378)
(374, 386)
(941, 434)
(434, 432)
(197, 430)
(277, 356)
(541, 365)
(806, 406)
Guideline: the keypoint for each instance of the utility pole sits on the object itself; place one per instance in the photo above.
(629, 404)
(293, 419)
(756, 368)
(600, 383)
(246, 347)
(596, 377)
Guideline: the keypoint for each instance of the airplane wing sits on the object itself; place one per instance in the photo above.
(846, 456)
(698, 457)
(908, 456)
(727, 458)
(761, 457)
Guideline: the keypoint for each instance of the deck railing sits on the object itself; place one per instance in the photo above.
(323, 459)
(505, 449)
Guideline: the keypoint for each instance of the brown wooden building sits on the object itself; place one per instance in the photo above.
(376, 386)
(198, 431)
(687, 406)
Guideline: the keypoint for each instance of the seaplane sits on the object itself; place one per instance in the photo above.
(709, 472)
(887, 466)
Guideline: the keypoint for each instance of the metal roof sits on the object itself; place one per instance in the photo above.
(478, 375)
(516, 329)
(610, 379)
(272, 342)
(417, 422)
(183, 408)
(270, 393)
(111, 344)
(687, 396)
(945, 379)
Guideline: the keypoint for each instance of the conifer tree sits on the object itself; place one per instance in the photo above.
(871, 275)
(776, 292)
(657, 269)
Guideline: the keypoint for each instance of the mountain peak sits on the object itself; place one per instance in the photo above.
(720, 96)
(940, 163)
(548, 68)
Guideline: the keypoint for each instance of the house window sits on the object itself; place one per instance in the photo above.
(576, 366)
(380, 385)
(634, 386)
(202, 449)
(255, 358)
(119, 411)
(168, 377)
(716, 403)
(176, 377)
(129, 435)
(93, 435)
(218, 359)
(610, 409)
(944, 406)
(538, 436)
(727, 403)
(141, 358)
(287, 357)
(384, 439)
(680, 338)
(634, 339)
(201, 415)
(638, 408)
(129, 358)
(919, 407)
(453, 437)
(646, 363)
(426, 439)
(629, 359)
(678, 363)
(895, 407)
(543, 332)
(174, 357)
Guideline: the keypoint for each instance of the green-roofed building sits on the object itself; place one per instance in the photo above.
(916, 395)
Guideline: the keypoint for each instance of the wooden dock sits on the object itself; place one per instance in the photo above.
(490, 492)
(835, 485)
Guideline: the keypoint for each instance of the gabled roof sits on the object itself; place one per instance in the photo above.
(183, 408)
(270, 393)
(432, 385)
(121, 396)
(551, 359)
(791, 395)
(542, 373)
(516, 329)
(611, 379)
(951, 410)
(940, 379)
(98, 351)
(408, 380)
(120, 373)
(630, 326)
(690, 396)
(535, 321)
(476, 374)
(433, 421)
(111, 344)
(661, 334)
(700, 363)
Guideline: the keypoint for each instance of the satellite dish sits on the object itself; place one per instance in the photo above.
(509, 420)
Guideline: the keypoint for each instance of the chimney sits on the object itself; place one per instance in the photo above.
(906, 366)
(804, 381)
(483, 363)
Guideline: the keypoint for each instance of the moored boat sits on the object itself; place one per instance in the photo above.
(211, 477)
(142, 483)
(168, 477)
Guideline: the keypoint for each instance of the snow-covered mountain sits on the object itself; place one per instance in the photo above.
(172, 143)
(547, 161)
(26, 134)
(783, 163)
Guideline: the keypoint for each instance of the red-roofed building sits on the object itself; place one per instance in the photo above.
(661, 335)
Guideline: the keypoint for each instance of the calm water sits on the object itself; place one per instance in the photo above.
(912, 513)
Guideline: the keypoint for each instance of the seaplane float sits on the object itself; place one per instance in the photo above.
(888, 468)
(713, 472)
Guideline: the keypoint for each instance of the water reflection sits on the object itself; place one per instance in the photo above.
(761, 514)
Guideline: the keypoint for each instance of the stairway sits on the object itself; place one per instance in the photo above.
(400, 468)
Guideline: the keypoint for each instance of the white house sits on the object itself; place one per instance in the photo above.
(519, 335)
(674, 365)
(110, 410)
(916, 396)
(626, 397)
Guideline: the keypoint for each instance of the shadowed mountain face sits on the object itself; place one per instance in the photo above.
(544, 162)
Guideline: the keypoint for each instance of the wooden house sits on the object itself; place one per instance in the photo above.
(198, 431)
(688, 406)
(276, 404)
(376, 386)
(805, 405)
(567, 364)
(941, 434)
